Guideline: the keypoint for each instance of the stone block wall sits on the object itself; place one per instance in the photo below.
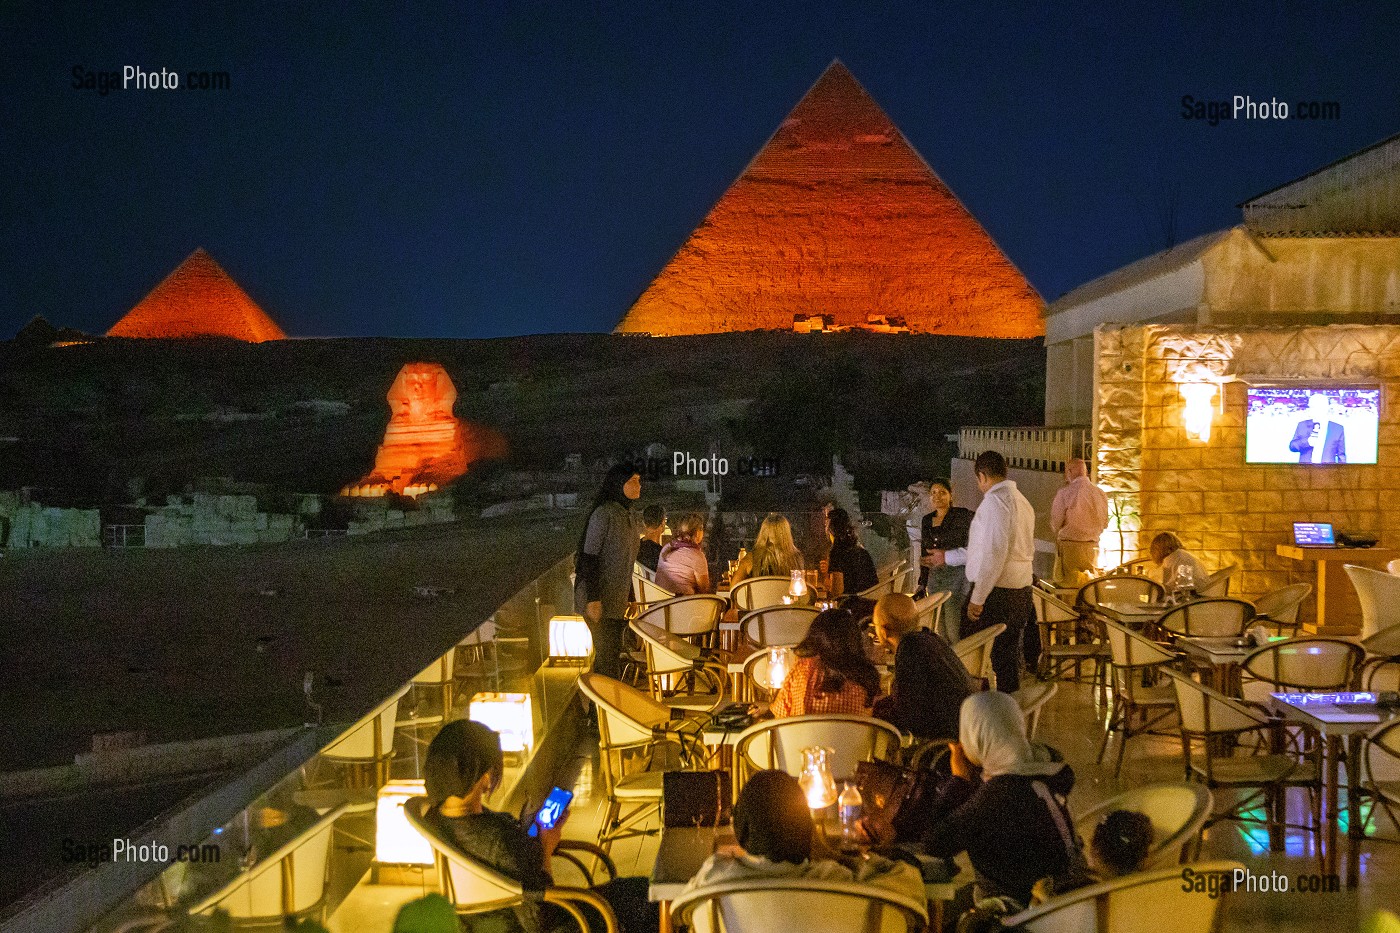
(31, 524)
(1224, 510)
(217, 520)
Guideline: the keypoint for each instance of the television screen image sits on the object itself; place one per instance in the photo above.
(1312, 425)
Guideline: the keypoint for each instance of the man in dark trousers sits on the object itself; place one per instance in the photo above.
(1000, 550)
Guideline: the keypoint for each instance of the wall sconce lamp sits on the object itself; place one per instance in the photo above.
(1198, 408)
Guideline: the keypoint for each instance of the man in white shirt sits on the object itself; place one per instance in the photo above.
(998, 556)
(1078, 517)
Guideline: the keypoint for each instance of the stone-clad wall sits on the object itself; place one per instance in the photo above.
(1225, 511)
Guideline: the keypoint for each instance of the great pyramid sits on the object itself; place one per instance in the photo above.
(838, 215)
(198, 299)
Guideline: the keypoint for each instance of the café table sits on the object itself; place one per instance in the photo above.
(1132, 615)
(1222, 656)
(683, 850)
(1341, 719)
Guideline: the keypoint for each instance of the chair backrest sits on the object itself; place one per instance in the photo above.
(289, 881)
(1379, 595)
(929, 610)
(640, 569)
(777, 625)
(1204, 711)
(1208, 618)
(975, 651)
(778, 743)
(1281, 605)
(1131, 649)
(1218, 583)
(1381, 675)
(649, 591)
(440, 672)
(1120, 588)
(1177, 812)
(757, 667)
(1146, 902)
(685, 615)
(1050, 609)
(759, 592)
(1384, 643)
(471, 886)
(797, 905)
(370, 739)
(626, 715)
(1306, 663)
(666, 653)
(1032, 698)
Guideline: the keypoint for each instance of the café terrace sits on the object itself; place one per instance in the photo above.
(1250, 720)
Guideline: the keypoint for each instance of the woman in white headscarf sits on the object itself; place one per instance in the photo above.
(1005, 803)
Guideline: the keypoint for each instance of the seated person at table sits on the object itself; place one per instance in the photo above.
(930, 682)
(1119, 847)
(777, 840)
(463, 765)
(847, 557)
(832, 673)
(653, 525)
(1168, 553)
(774, 554)
(682, 568)
(1004, 805)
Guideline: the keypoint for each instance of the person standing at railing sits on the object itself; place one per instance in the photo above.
(607, 549)
(1078, 516)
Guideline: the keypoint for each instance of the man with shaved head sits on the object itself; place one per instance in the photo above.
(1078, 517)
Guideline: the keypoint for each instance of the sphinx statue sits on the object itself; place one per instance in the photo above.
(425, 445)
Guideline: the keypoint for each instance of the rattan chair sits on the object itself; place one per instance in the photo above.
(778, 743)
(1208, 618)
(1136, 661)
(1177, 812)
(759, 593)
(975, 652)
(1069, 640)
(1146, 902)
(929, 611)
(1279, 607)
(1217, 585)
(777, 625)
(797, 905)
(1119, 588)
(1381, 766)
(1301, 665)
(679, 674)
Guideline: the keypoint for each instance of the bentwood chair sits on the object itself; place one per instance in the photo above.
(975, 652)
(1269, 766)
(1136, 663)
(1279, 608)
(1119, 588)
(778, 744)
(638, 743)
(1177, 812)
(1208, 618)
(1379, 595)
(797, 905)
(759, 592)
(1146, 902)
(777, 625)
(475, 888)
(1217, 585)
(671, 662)
(290, 882)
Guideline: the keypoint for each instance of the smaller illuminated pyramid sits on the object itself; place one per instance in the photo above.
(198, 299)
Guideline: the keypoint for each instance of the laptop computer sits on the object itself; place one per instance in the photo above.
(1314, 534)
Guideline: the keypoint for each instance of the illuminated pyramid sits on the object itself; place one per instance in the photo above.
(838, 215)
(198, 299)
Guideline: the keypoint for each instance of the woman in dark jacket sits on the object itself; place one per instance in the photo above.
(1005, 804)
(847, 557)
(945, 528)
(463, 765)
(607, 549)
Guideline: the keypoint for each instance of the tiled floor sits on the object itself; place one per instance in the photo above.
(1071, 724)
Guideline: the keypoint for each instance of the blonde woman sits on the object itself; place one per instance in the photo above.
(773, 554)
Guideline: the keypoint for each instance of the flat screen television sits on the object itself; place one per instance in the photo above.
(1312, 424)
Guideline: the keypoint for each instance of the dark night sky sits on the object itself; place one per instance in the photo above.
(481, 170)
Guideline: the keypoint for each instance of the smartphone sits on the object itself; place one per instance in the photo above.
(552, 810)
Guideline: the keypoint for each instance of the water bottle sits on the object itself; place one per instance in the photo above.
(849, 804)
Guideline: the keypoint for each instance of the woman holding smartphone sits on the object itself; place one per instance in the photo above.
(462, 768)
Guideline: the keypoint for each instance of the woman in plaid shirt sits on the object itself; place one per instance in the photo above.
(832, 673)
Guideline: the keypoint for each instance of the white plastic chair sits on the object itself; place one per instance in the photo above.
(1383, 643)
(778, 743)
(1177, 812)
(759, 592)
(368, 745)
(975, 651)
(290, 881)
(777, 625)
(473, 888)
(1146, 902)
(797, 905)
(438, 676)
(1379, 595)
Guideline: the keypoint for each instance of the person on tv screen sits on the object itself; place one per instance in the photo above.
(1319, 426)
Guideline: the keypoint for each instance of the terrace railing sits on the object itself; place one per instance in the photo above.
(1032, 448)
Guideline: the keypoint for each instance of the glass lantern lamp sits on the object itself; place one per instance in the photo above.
(816, 781)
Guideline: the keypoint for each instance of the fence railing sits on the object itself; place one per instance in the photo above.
(123, 535)
(1028, 448)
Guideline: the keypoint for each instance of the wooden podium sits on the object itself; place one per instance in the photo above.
(1338, 611)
